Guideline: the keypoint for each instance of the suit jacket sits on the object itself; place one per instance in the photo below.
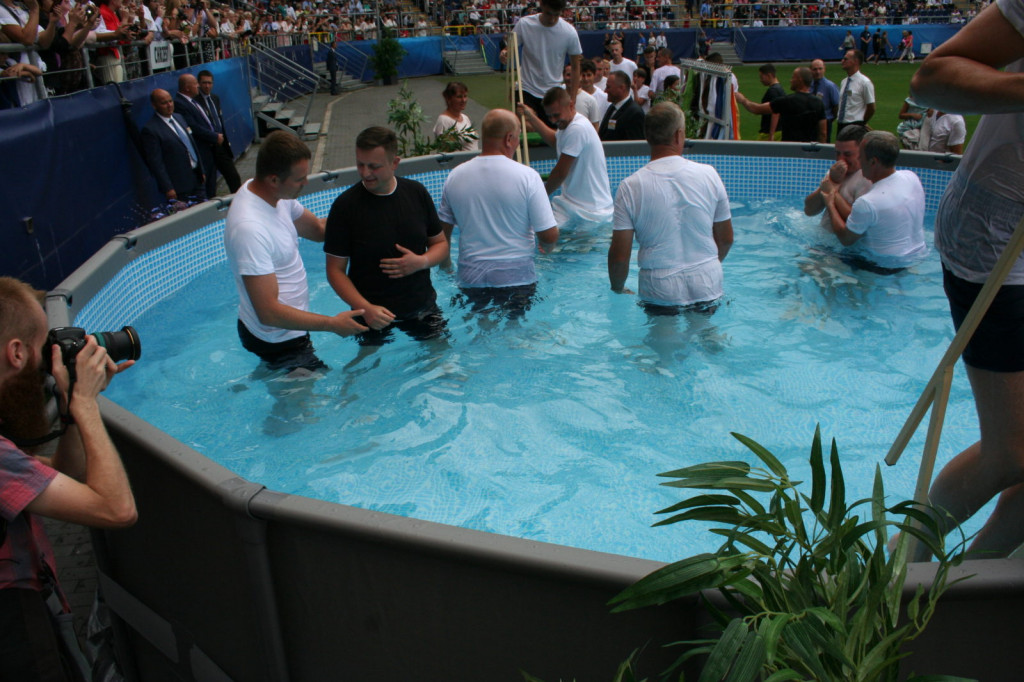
(167, 157)
(629, 123)
(202, 131)
(219, 114)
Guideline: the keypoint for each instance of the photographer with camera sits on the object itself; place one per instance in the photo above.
(84, 482)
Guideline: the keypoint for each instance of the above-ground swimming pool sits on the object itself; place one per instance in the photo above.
(553, 427)
(578, 405)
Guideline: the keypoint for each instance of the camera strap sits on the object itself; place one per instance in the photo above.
(65, 420)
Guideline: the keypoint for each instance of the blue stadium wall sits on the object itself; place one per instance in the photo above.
(74, 175)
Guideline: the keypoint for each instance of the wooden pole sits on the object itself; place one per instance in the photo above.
(956, 347)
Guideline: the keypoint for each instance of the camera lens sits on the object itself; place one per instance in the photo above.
(122, 345)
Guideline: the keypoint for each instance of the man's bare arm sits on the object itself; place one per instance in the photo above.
(619, 254)
(263, 293)
(963, 74)
(559, 173)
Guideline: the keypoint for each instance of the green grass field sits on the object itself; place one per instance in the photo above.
(892, 85)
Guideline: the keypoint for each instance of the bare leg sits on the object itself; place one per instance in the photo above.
(992, 466)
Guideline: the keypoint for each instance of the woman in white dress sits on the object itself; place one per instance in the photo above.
(456, 95)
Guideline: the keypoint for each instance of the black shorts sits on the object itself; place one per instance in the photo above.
(291, 354)
(512, 301)
(702, 307)
(998, 342)
(422, 325)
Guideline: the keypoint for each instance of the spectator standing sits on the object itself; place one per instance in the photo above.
(865, 42)
(223, 157)
(586, 104)
(186, 103)
(624, 119)
(800, 115)
(769, 121)
(618, 62)
(943, 133)
(546, 40)
(171, 152)
(456, 96)
(827, 91)
(665, 69)
(856, 93)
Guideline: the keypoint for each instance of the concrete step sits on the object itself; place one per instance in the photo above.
(312, 131)
(728, 52)
(284, 114)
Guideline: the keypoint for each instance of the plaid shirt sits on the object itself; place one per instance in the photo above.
(26, 547)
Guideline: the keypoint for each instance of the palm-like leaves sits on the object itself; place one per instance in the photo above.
(811, 591)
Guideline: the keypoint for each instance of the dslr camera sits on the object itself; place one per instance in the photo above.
(122, 345)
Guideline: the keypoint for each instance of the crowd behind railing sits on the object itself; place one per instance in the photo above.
(55, 47)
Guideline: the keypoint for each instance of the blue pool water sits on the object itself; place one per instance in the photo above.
(555, 426)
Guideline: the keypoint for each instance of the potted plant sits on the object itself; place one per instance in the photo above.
(387, 55)
(810, 590)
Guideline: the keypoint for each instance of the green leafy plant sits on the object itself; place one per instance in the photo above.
(810, 591)
(387, 55)
(406, 117)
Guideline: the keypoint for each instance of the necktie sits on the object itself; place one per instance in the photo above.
(212, 111)
(842, 102)
(180, 132)
(203, 113)
(607, 117)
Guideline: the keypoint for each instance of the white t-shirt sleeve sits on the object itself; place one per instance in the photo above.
(957, 132)
(862, 216)
(722, 211)
(622, 218)
(573, 142)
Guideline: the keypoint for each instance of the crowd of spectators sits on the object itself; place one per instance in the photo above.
(116, 34)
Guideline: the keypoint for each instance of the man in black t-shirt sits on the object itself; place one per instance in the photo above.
(769, 123)
(382, 237)
(801, 114)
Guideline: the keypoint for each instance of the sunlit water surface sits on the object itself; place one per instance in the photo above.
(554, 427)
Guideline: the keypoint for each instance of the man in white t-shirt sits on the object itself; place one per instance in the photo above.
(501, 210)
(886, 223)
(679, 213)
(618, 62)
(588, 72)
(585, 102)
(666, 68)
(943, 133)
(546, 40)
(580, 172)
(261, 237)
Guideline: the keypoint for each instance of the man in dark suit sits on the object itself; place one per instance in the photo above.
(624, 119)
(222, 154)
(186, 103)
(172, 153)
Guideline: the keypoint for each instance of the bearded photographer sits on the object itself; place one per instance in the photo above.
(84, 482)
